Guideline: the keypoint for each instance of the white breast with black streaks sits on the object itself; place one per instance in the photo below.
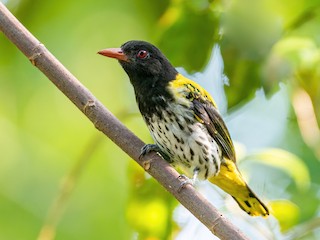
(186, 141)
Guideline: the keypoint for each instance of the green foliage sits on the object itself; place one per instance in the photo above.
(150, 207)
(56, 172)
(281, 159)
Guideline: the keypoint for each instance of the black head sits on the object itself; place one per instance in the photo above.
(145, 65)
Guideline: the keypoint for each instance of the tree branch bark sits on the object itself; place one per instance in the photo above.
(104, 121)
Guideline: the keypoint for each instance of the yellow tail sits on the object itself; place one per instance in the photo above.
(230, 180)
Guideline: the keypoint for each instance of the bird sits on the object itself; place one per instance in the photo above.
(184, 122)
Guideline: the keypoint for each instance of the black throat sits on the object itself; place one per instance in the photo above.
(151, 91)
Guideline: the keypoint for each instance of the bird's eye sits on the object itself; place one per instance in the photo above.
(143, 54)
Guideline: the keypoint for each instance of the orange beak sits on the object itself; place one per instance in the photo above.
(114, 53)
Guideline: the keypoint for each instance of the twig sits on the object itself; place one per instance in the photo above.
(104, 121)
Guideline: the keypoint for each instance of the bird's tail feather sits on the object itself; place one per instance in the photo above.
(230, 180)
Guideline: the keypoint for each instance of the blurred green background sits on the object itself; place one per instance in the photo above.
(60, 178)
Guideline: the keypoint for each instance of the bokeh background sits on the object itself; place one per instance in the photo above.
(62, 179)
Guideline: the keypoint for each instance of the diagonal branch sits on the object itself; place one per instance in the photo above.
(104, 121)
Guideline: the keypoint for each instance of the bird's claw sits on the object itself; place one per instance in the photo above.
(153, 147)
(185, 182)
(148, 148)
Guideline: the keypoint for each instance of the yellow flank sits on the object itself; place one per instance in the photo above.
(182, 87)
(230, 180)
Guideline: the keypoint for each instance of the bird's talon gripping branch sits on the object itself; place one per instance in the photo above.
(153, 147)
(188, 180)
(185, 182)
(183, 177)
(148, 148)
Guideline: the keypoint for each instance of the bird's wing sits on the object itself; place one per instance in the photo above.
(205, 111)
(208, 114)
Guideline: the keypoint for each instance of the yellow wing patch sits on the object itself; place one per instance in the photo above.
(186, 88)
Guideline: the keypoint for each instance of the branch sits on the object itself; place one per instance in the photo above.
(104, 121)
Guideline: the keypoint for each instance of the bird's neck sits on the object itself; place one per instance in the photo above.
(152, 94)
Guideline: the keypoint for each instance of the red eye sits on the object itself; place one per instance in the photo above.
(142, 54)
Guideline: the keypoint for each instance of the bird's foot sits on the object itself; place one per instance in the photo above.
(148, 148)
(185, 182)
(153, 147)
